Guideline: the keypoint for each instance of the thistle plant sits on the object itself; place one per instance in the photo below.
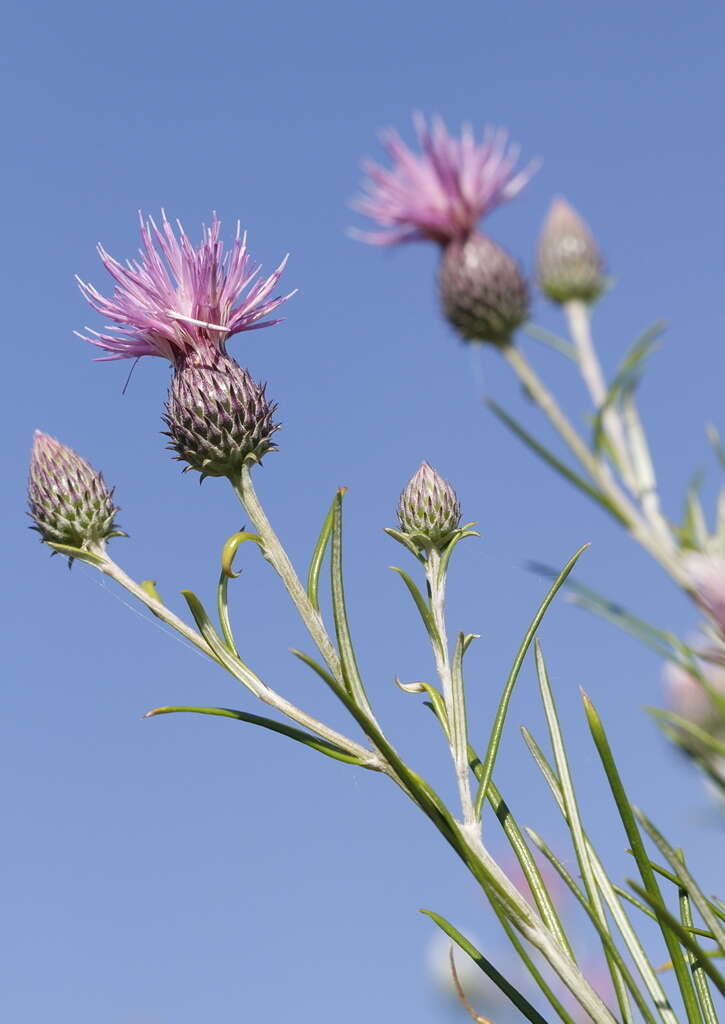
(183, 304)
(440, 195)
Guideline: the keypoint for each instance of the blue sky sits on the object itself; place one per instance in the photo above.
(185, 870)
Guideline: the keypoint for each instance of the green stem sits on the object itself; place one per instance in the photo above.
(579, 321)
(599, 472)
(277, 557)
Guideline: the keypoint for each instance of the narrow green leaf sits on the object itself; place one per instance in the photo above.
(417, 787)
(149, 586)
(468, 640)
(328, 678)
(80, 553)
(532, 874)
(458, 536)
(520, 1002)
(636, 950)
(640, 855)
(592, 601)
(230, 549)
(698, 975)
(639, 450)
(627, 377)
(350, 669)
(545, 768)
(698, 733)
(617, 966)
(218, 649)
(592, 903)
(498, 724)
(555, 462)
(299, 735)
(669, 924)
(645, 910)
(422, 605)
(438, 707)
(223, 609)
(404, 539)
(693, 532)
(531, 967)
(318, 555)
(547, 337)
(685, 879)
(204, 623)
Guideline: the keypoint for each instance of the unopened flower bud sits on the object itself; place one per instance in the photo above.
(483, 292)
(569, 264)
(68, 500)
(429, 506)
(218, 417)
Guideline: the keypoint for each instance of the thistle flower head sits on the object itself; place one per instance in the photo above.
(429, 506)
(68, 500)
(483, 293)
(175, 300)
(441, 193)
(569, 264)
(218, 417)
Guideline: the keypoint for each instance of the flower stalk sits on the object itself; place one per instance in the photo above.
(637, 525)
(452, 686)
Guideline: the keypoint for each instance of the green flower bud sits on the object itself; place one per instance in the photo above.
(483, 292)
(569, 264)
(68, 500)
(428, 506)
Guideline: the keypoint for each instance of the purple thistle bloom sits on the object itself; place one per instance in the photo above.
(177, 300)
(441, 194)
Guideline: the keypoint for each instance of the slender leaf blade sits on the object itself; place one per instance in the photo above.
(299, 735)
(510, 991)
(554, 461)
(500, 718)
(318, 555)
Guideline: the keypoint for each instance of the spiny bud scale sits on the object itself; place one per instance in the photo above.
(68, 500)
(218, 417)
(483, 292)
(429, 506)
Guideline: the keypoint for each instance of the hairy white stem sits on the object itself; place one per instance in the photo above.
(530, 925)
(577, 315)
(278, 559)
(623, 431)
(452, 693)
(599, 473)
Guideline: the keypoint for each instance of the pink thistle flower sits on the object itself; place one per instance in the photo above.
(176, 300)
(442, 193)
